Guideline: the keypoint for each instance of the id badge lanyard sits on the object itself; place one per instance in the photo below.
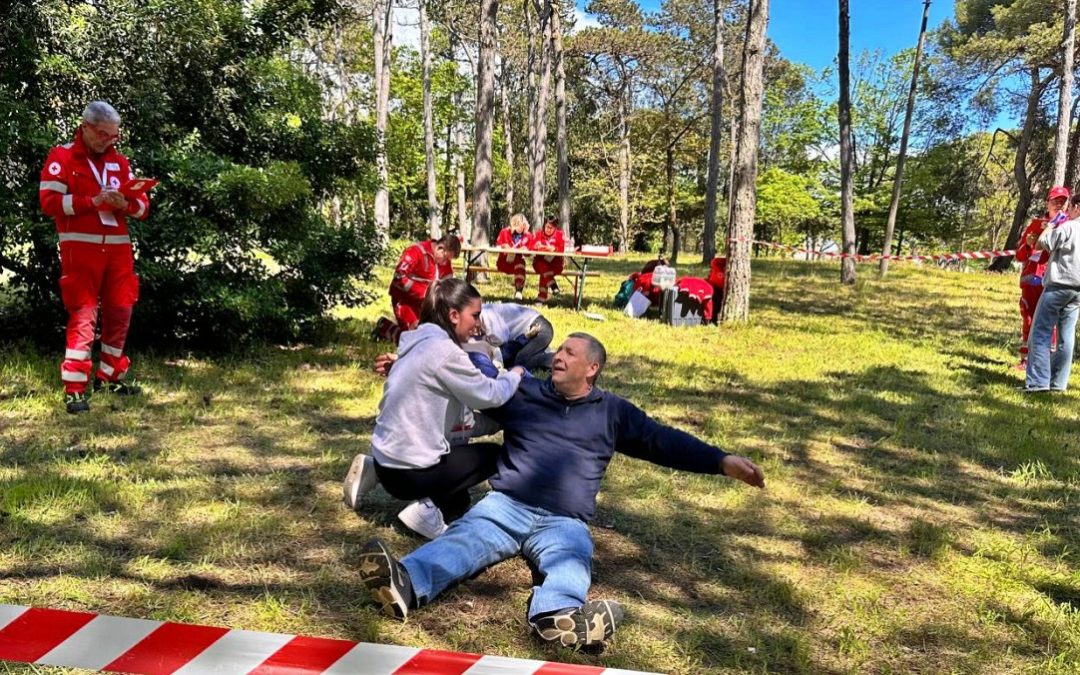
(106, 217)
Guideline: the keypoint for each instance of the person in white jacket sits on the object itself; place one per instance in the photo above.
(419, 448)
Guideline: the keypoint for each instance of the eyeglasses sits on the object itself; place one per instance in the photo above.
(103, 135)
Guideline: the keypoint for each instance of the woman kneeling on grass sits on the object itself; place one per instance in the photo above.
(420, 448)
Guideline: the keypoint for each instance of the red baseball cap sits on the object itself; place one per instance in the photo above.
(1058, 192)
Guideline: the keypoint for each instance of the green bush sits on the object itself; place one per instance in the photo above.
(239, 245)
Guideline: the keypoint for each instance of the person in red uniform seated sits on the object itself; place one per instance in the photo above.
(643, 281)
(1034, 263)
(514, 236)
(718, 279)
(548, 238)
(79, 190)
(420, 265)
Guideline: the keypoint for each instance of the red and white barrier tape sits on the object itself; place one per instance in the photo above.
(82, 640)
(875, 257)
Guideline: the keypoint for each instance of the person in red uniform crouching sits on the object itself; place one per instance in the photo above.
(79, 190)
(420, 265)
(549, 238)
(718, 279)
(514, 236)
(1034, 263)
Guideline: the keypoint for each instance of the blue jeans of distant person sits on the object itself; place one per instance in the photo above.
(497, 528)
(1058, 308)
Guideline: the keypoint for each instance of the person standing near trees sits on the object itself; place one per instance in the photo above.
(1034, 261)
(548, 238)
(514, 236)
(1058, 307)
(79, 190)
(420, 266)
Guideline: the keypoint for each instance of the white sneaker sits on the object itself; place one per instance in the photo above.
(423, 518)
(518, 295)
(360, 479)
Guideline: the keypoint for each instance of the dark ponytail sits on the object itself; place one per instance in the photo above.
(444, 295)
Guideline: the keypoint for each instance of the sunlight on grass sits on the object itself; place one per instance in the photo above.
(919, 516)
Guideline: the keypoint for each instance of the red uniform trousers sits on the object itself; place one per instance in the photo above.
(547, 269)
(93, 276)
(512, 264)
(406, 311)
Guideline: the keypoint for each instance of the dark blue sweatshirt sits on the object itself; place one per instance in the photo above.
(556, 451)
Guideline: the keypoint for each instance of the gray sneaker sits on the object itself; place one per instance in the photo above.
(386, 579)
(360, 480)
(588, 625)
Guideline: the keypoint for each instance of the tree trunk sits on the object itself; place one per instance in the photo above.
(898, 179)
(1065, 102)
(538, 167)
(737, 297)
(562, 153)
(847, 152)
(717, 106)
(623, 106)
(1074, 152)
(485, 116)
(669, 220)
(508, 137)
(1020, 175)
(383, 41)
(434, 216)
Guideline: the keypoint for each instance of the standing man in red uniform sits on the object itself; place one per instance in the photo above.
(79, 190)
(516, 235)
(421, 265)
(1034, 261)
(548, 238)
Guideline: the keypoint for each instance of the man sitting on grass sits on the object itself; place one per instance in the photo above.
(559, 436)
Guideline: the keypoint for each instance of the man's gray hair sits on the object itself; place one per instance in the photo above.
(100, 111)
(594, 351)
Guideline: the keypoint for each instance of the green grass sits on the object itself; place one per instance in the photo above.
(919, 515)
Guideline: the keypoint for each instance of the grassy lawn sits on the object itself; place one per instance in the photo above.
(919, 513)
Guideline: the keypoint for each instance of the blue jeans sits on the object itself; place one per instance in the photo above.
(1058, 308)
(498, 528)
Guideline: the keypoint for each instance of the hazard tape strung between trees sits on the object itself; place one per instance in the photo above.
(109, 643)
(875, 257)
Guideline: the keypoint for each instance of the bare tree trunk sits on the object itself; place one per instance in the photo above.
(1020, 175)
(737, 298)
(485, 117)
(434, 215)
(1074, 152)
(538, 166)
(508, 138)
(898, 179)
(562, 153)
(708, 251)
(847, 152)
(382, 20)
(1065, 102)
(530, 91)
(669, 220)
(624, 167)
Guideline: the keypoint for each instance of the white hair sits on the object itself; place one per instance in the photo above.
(100, 111)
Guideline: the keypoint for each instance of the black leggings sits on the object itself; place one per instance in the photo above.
(533, 354)
(446, 483)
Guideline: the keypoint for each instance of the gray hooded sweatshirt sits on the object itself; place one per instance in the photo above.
(427, 399)
(1063, 242)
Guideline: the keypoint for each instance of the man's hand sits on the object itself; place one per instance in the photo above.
(112, 199)
(740, 468)
(383, 362)
(1031, 239)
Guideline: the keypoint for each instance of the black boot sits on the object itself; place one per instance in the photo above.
(77, 403)
(120, 387)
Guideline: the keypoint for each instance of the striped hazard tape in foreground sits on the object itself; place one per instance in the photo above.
(55, 637)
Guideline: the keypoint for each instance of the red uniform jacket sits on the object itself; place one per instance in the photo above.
(416, 271)
(506, 239)
(718, 272)
(69, 183)
(1034, 260)
(542, 242)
